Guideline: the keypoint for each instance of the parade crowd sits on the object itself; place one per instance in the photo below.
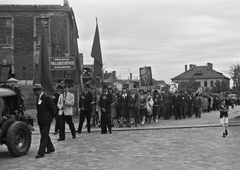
(119, 108)
(113, 107)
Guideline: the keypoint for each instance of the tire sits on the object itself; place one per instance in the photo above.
(19, 139)
(6, 126)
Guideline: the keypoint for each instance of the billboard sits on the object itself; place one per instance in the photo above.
(146, 76)
(62, 63)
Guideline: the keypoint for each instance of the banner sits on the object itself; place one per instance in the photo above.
(146, 76)
(173, 87)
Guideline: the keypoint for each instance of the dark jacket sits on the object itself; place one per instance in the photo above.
(197, 102)
(106, 103)
(45, 110)
(86, 103)
(124, 102)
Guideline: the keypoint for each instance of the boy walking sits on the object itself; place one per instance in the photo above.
(224, 116)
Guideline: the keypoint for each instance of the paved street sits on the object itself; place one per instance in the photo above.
(193, 148)
(155, 148)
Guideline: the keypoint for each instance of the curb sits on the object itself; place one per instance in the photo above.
(152, 128)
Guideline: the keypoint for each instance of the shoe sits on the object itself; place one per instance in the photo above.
(89, 131)
(60, 139)
(110, 132)
(48, 152)
(79, 132)
(120, 126)
(224, 135)
(55, 133)
(135, 124)
(74, 137)
(39, 156)
(226, 132)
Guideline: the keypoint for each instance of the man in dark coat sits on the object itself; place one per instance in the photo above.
(45, 115)
(105, 106)
(85, 104)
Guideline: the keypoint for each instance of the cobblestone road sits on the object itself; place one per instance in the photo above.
(174, 149)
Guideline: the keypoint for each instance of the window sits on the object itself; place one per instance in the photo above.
(205, 83)
(39, 24)
(5, 31)
(212, 83)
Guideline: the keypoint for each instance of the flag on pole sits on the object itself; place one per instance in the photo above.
(44, 76)
(97, 55)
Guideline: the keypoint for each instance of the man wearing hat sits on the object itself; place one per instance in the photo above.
(65, 104)
(56, 97)
(45, 114)
(104, 103)
(85, 104)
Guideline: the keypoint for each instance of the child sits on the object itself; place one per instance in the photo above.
(224, 116)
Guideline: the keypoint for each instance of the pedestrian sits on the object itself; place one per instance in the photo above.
(113, 107)
(55, 99)
(224, 116)
(149, 106)
(123, 102)
(197, 105)
(86, 108)
(94, 108)
(133, 107)
(142, 106)
(167, 105)
(156, 105)
(105, 106)
(45, 113)
(65, 104)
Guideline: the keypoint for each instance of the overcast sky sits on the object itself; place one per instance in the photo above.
(163, 34)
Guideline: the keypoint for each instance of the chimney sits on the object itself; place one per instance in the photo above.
(130, 76)
(209, 66)
(191, 66)
(185, 68)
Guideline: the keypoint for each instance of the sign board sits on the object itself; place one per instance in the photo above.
(146, 76)
(62, 63)
(173, 87)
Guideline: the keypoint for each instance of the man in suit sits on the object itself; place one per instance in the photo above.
(85, 104)
(65, 104)
(105, 105)
(45, 114)
(56, 97)
(197, 104)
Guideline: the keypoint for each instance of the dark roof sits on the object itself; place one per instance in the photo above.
(200, 72)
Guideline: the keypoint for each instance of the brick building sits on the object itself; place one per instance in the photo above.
(20, 37)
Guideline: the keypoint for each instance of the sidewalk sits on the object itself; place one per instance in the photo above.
(207, 120)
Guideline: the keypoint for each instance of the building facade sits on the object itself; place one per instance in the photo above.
(20, 38)
(205, 75)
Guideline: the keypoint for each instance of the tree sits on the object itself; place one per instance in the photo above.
(234, 72)
(220, 86)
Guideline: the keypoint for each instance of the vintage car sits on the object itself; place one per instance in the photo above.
(15, 127)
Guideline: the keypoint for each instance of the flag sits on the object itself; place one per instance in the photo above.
(44, 76)
(97, 55)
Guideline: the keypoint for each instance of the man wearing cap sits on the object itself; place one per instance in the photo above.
(104, 103)
(45, 113)
(85, 104)
(56, 97)
(65, 104)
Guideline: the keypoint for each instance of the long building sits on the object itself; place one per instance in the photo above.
(205, 75)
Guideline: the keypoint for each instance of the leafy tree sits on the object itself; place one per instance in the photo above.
(191, 86)
(234, 72)
(220, 86)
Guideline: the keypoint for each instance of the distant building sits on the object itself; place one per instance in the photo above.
(205, 75)
(20, 37)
